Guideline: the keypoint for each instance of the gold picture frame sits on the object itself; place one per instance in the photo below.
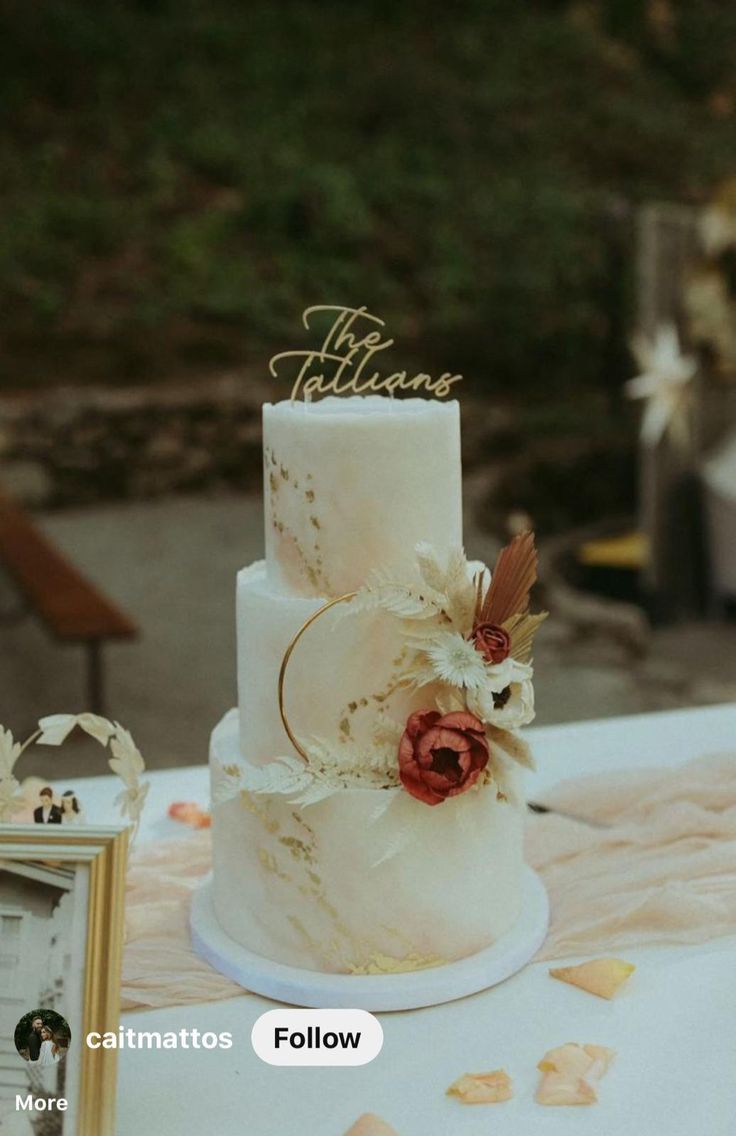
(100, 856)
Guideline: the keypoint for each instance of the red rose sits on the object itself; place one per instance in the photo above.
(441, 755)
(492, 641)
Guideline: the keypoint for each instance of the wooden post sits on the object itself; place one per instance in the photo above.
(669, 506)
(95, 677)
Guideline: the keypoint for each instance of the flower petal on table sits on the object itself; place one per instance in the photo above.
(563, 1089)
(189, 812)
(568, 1070)
(602, 977)
(602, 1058)
(370, 1125)
(482, 1088)
(571, 1059)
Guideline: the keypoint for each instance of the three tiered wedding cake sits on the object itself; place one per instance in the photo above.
(367, 799)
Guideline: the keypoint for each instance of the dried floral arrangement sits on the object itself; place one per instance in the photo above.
(469, 638)
(125, 762)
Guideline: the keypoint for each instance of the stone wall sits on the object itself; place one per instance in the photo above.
(77, 446)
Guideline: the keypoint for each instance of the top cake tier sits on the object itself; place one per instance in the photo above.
(353, 484)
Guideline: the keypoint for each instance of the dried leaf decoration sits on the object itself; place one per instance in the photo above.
(567, 1072)
(53, 730)
(370, 1125)
(522, 628)
(513, 745)
(602, 977)
(482, 1088)
(10, 751)
(406, 600)
(512, 580)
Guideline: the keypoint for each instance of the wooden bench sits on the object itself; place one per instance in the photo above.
(71, 608)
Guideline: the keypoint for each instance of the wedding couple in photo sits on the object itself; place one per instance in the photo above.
(42, 1045)
(47, 812)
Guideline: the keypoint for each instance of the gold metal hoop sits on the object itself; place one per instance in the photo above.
(285, 662)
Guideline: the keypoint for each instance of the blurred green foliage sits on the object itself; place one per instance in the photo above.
(181, 177)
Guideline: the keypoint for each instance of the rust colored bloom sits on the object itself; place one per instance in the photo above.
(441, 755)
(493, 642)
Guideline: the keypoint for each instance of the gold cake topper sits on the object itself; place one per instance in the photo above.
(342, 362)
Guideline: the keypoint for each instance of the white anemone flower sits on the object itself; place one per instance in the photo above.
(516, 709)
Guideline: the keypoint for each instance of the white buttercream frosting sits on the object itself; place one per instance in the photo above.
(355, 483)
(367, 879)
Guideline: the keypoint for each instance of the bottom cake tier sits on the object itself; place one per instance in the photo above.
(359, 883)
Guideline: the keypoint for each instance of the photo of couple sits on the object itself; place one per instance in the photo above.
(68, 810)
(42, 1038)
(42, 1046)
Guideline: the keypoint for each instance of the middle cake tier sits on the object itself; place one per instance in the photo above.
(343, 677)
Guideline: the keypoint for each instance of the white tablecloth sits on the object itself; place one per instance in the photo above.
(674, 1025)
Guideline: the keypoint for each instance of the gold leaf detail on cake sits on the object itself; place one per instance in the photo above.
(511, 581)
(379, 963)
(270, 864)
(226, 782)
(297, 848)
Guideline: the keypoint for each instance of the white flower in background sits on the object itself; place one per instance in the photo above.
(492, 704)
(455, 660)
(717, 228)
(664, 382)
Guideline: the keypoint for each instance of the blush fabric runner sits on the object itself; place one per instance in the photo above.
(656, 866)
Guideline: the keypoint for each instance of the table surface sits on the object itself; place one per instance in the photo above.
(673, 1026)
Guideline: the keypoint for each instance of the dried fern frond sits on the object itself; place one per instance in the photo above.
(460, 593)
(431, 570)
(522, 628)
(382, 592)
(512, 579)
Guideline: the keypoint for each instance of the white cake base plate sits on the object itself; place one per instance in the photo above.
(374, 991)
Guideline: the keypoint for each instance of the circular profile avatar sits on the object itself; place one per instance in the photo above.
(42, 1037)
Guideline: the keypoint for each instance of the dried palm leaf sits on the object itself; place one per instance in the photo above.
(522, 628)
(480, 587)
(513, 576)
